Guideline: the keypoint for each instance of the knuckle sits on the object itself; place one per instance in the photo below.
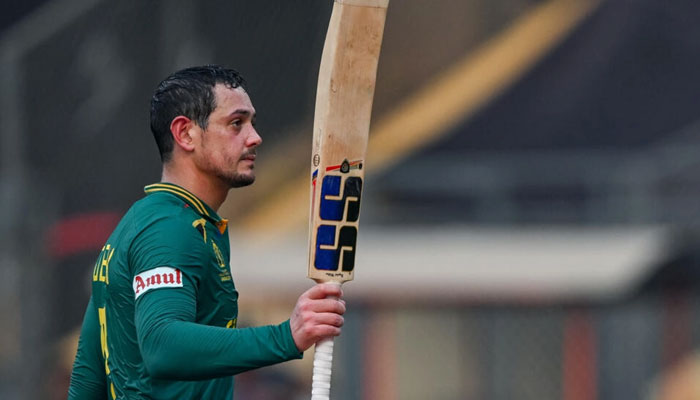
(308, 317)
(317, 332)
(308, 331)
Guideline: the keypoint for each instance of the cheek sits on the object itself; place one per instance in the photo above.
(235, 149)
(214, 148)
(228, 157)
(223, 151)
(210, 156)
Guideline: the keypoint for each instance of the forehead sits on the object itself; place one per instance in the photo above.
(228, 100)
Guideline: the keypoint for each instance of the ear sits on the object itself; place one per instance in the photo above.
(180, 128)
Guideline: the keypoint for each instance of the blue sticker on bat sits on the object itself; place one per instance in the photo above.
(340, 204)
(335, 255)
(334, 210)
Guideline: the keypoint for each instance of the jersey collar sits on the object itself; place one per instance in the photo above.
(193, 201)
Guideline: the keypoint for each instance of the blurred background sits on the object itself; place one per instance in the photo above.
(530, 216)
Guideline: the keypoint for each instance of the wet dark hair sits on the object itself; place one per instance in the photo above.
(188, 92)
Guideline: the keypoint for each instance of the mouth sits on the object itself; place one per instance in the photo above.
(248, 157)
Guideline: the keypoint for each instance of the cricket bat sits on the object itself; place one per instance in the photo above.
(344, 97)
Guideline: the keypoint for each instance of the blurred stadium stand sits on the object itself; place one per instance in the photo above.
(530, 220)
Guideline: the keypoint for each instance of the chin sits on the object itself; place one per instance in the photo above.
(240, 180)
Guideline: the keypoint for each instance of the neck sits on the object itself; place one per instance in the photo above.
(207, 188)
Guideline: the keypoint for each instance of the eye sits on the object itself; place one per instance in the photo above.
(237, 122)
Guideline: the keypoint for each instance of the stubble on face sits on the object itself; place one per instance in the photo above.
(236, 179)
(230, 176)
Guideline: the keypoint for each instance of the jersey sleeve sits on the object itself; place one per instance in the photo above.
(174, 347)
(172, 344)
(88, 380)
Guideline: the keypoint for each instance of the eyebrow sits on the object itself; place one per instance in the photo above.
(242, 111)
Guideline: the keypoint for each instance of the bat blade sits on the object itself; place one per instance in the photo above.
(344, 98)
(341, 130)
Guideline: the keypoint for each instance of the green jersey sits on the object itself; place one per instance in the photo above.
(161, 322)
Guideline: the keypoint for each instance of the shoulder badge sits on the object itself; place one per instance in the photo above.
(219, 256)
(200, 226)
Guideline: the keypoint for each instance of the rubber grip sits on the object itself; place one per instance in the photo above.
(323, 364)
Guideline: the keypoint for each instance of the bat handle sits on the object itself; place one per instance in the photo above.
(323, 362)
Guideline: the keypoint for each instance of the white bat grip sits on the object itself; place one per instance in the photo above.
(323, 362)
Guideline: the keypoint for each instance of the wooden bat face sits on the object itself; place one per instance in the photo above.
(335, 231)
(341, 130)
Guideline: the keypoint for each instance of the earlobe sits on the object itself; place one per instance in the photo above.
(180, 128)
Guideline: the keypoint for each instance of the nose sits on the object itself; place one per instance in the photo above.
(254, 139)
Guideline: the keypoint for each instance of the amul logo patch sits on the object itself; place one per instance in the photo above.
(156, 278)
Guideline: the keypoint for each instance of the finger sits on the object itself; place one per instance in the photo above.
(323, 290)
(326, 305)
(329, 319)
(325, 331)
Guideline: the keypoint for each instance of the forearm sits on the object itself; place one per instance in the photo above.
(190, 351)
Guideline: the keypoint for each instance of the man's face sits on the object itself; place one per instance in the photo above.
(227, 147)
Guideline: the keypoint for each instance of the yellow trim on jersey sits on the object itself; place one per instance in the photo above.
(222, 224)
(199, 208)
(203, 223)
(164, 187)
